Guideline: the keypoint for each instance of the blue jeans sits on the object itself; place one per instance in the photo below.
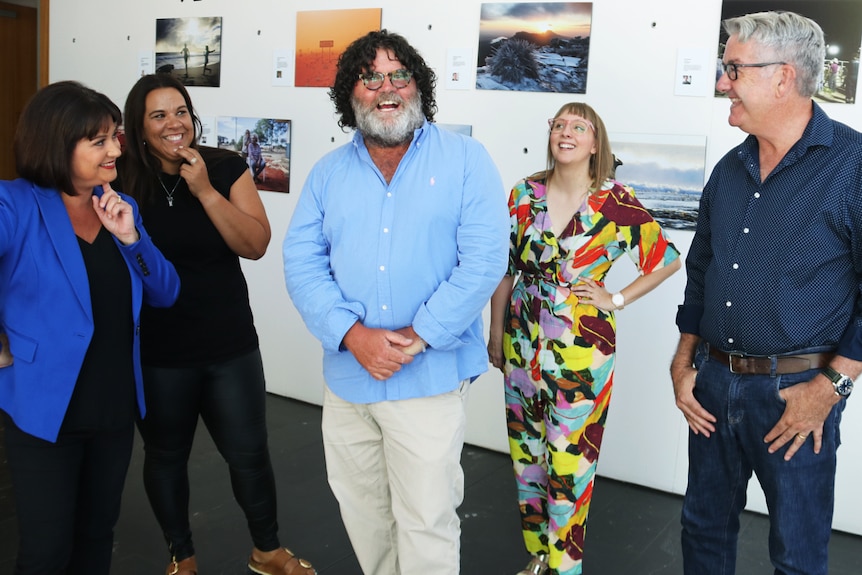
(799, 493)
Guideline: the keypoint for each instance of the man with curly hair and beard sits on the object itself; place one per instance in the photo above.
(396, 244)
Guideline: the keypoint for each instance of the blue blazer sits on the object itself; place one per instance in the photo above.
(45, 307)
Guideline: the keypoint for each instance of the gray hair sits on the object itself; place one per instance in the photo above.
(793, 39)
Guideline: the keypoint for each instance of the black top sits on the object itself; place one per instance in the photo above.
(211, 320)
(104, 396)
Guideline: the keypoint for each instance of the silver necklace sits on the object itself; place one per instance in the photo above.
(170, 195)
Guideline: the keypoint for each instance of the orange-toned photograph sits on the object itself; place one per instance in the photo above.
(321, 37)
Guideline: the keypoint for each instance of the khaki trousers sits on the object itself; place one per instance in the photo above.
(395, 469)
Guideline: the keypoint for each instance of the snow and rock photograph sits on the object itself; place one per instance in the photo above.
(667, 173)
(534, 47)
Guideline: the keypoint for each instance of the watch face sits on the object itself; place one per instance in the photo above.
(844, 386)
(618, 299)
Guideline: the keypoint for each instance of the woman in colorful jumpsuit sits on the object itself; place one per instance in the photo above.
(553, 330)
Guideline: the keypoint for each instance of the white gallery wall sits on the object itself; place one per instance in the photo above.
(634, 48)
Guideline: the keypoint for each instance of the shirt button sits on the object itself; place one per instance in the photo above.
(730, 340)
(388, 194)
(736, 266)
(756, 194)
(382, 268)
(385, 230)
(745, 230)
(384, 306)
(727, 303)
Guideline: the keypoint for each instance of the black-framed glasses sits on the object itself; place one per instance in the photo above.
(732, 68)
(374, 80)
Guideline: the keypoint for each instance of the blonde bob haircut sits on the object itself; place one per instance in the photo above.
(601, 163)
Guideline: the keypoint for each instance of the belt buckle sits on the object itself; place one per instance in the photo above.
(730, 357)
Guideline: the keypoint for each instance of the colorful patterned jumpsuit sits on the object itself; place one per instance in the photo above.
(559, 356)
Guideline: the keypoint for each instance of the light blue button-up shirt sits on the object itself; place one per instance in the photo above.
(427, 250)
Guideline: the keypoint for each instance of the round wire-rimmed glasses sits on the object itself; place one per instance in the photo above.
(374, 80)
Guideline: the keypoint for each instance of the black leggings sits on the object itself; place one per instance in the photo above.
(67, 498)
(231, 399)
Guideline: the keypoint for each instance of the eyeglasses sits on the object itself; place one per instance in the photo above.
(579, 126)
(732, 69)
(374, 80)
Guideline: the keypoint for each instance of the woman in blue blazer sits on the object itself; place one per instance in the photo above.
(76, 264)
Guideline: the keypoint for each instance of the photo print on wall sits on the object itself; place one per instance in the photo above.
(534, 47)
(264, 144)
(321, 37)
(465, 129)
(190, 49)
(841, 21)
(666, 172)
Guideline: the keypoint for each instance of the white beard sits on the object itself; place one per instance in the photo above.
(390, 131)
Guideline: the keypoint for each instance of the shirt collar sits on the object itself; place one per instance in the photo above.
(818, 132)
(419, 134)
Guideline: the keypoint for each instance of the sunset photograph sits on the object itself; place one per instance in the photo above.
(321, 37)
(534, 47)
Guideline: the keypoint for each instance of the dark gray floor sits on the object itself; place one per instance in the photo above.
(632, 530)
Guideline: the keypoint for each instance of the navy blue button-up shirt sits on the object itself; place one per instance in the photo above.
(775, 266)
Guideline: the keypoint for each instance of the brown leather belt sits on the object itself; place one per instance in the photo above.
(771, 365)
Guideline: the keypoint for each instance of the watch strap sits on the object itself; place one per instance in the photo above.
(833, 374)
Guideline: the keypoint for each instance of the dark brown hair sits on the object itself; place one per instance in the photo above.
(52, 124)
(139, 169)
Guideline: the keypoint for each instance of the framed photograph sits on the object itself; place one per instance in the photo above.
(534, 47)
(465, 129)
(321, 37)
(841, 21)
(190, 49)
(264, 144)
(666, 172)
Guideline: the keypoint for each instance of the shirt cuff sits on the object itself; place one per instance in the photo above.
(850, 345)
(688, 319)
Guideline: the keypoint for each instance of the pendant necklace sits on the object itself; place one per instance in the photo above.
(170, 195)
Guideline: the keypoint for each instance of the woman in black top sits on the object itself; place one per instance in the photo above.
(201, 357)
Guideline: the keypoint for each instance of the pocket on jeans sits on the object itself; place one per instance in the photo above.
(789, 380)
(701, 354)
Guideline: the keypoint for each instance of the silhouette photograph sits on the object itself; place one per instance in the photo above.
(190, 50)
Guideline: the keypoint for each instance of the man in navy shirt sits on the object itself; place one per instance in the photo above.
(771, 328)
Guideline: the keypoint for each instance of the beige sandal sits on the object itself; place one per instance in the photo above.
(538, 565)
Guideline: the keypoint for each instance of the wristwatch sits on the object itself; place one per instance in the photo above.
(843, 384)
(619, 300)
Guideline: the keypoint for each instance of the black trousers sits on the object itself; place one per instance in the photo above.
(67, 498)
(230, 397)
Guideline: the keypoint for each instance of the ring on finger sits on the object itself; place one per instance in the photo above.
(193, 161)
(802, 436)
